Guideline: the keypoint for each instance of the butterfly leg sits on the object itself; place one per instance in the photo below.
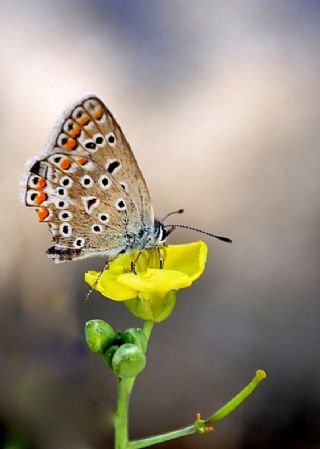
(97, 280)
(161, 260)
(133, 264)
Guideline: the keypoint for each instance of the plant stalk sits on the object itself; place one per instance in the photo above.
(125, 387)
(217, 416)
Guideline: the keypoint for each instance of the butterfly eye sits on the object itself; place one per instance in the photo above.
(104, 218)
(65, 181)
(65, 215)
(105, 182)
(79, 242)
(65, 230)
(120, 204)
(111, 139)
(96, 229)
(86, 181)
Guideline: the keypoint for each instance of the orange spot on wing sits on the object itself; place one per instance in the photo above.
(98, 114)
(84, 120)
(42, 213)
(83, 161)
(40, 198)
(65, 164)
(41, 183)
(75, 132)
(70, 145)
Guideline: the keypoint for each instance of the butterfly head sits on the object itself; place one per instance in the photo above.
(160, 233)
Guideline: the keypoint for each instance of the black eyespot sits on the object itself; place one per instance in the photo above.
(79, 114)
(103, 217)
(70, 126)
(111, 138)
(65, 215)
(66, 182)
(99, 140)
(61, 192)
(97, 229)
(91, 202)
(65, 229)
(57, 159)
(105, 181)
(91, 105)
(61, 203)
(33, 196)
(79, 242)
(112, 166)
(86, 181)
(121, 205)
(124, 186)
(35, 180)
(64, 140)
(90, 145)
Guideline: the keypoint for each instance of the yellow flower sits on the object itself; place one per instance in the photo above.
(150, 293)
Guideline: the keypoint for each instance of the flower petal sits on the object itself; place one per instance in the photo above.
(189, 259)
(155, 280)
(109, 286)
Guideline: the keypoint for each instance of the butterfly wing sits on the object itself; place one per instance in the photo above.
(88, 185)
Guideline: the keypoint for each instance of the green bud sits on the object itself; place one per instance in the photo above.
(136, 336)
(128, 361)
(99, 335)
(108, 355)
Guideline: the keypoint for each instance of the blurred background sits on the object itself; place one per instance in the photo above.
(220, 101)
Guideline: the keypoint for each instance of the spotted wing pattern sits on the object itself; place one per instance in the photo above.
(87, 185)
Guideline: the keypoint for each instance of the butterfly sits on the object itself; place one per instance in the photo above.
(88, 187)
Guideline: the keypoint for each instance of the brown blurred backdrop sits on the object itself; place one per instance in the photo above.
(220, 102)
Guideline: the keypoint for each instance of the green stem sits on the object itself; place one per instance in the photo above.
(147, 329)
(200, 426)
(238, 399)
(121, 418)
(161, 438)
(125, 387)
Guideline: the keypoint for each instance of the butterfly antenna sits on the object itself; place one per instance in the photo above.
(219, 237)
(180, 211)
(96, 281)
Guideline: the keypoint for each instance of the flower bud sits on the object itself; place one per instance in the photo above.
(99, 335)
(136, 336)
(108, 355)
(128, 361)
